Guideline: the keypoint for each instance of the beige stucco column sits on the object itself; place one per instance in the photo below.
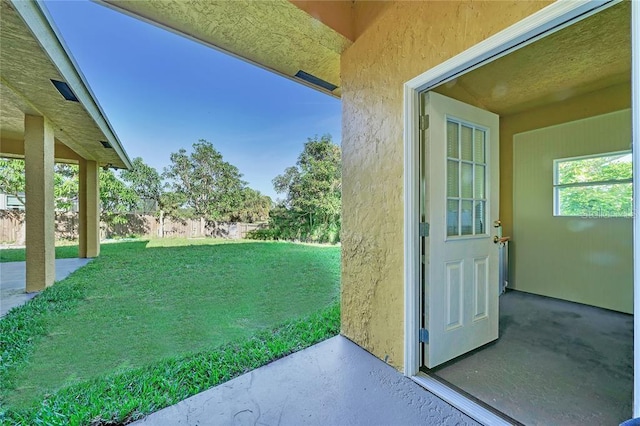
(40, 219)
(89, 209)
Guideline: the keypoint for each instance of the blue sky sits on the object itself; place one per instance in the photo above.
(162, 92)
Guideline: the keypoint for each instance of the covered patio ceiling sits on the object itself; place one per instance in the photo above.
(288, 36)
(293, 39)
(27, 77)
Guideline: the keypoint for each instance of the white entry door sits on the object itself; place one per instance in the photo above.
(459, 202)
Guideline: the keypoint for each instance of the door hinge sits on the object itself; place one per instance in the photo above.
(423, 229)
(423, 335)
(424, 122)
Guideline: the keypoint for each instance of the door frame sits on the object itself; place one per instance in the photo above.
(552, 18)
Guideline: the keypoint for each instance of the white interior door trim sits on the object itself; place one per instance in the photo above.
(552, 18)
(635, 137)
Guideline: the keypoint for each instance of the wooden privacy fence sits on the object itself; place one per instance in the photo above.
(12, 227)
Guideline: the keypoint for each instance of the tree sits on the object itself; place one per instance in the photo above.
(116, 198)
(12, 182)
(210, 187)
(146, 182)
(12, 178)
(311, 208)
(254, 207)
(591, 197)
(65, 186)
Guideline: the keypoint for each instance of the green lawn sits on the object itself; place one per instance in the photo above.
(141, 305)
(17, 254)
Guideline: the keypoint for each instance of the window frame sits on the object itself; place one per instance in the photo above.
(557, 186)
(460, 122)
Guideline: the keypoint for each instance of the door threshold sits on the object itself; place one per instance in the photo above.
(462, 401)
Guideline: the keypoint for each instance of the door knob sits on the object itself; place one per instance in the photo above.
(500, 240)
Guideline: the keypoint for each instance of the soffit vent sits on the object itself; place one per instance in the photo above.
(65, 90)
(106, 144)
(315, 81)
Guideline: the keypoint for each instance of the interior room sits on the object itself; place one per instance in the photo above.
(565, 351)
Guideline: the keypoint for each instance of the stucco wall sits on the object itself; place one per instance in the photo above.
(401, 41)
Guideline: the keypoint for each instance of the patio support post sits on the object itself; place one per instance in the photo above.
(89, 209)
(40, 219)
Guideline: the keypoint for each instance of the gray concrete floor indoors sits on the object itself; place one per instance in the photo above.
(555, 363)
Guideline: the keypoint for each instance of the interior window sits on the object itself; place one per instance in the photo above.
(596, 186)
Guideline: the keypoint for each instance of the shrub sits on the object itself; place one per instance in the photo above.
(265, 234)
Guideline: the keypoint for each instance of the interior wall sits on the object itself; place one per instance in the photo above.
(401, 41)
(585, 260)
(611, 99)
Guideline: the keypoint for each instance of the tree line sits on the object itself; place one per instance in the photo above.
(200, 184)
(312, 188)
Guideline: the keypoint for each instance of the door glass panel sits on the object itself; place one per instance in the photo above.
(466, 217)
(478, 184)
(478, 146)
(453, 179)
(480, 221)
(467, 180)
(452, 217)
(452, 139)
(466, 142)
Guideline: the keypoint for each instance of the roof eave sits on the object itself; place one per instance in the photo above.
(40, 23)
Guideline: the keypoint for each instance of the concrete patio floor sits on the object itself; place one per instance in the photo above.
(13, 279)
(332, 383)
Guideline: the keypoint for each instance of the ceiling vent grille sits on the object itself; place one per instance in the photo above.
(315, 81)
(65, 90)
